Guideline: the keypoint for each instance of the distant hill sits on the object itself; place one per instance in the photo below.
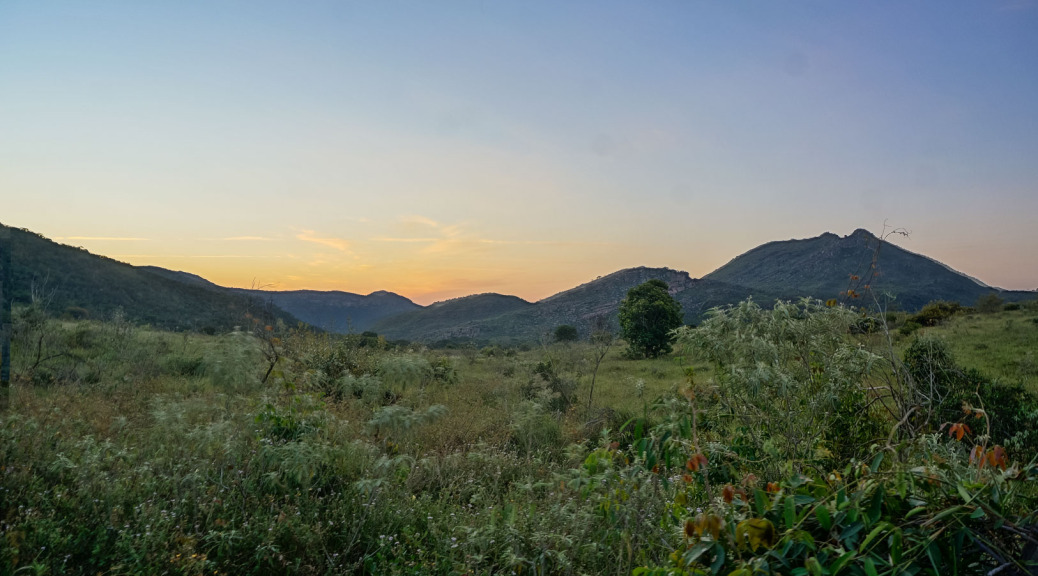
(337, 311)
(185, 277)
(456, 318)
(822, 267)
(507, 319)
(75, 282)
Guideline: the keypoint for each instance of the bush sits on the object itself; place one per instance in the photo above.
(909, 327)
(566, 333)
(947, 389)
(790, 383)
(989, 303)
(936, 312)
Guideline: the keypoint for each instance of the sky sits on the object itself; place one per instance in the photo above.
(438, 149)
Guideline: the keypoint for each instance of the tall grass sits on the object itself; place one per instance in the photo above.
(135, 451)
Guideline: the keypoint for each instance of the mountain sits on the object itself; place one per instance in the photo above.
(511, 319)
(72, 281)
(185, 277)
(337, 311)
(824, 267)
(456, 318)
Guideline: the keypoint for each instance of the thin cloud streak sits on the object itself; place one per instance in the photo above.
(180, 256)
(337, 243)
(543, 243)
(104, 238)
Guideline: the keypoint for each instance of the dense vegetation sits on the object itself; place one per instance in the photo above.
(70, 282)
(801, 440)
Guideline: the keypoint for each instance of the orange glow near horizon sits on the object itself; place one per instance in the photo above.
(515, 147)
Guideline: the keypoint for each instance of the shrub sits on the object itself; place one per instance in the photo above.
(946, 389)
(566, 333)
(989, 303)
(936, 312)
(789, 382)
(909, 327)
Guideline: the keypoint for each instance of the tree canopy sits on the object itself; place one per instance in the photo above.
(566, 333)
(647, 316)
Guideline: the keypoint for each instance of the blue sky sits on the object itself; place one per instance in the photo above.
(441, 149)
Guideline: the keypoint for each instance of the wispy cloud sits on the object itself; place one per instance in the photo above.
(458, 237)
(186, 256)
(542, 242)
(247, 238)
(415, 219)
(104, 238)
(408, 240)
(337, 243)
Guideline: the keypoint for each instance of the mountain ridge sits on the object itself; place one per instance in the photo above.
(821, 267)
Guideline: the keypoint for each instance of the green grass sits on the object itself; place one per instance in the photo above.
(136, 451)
(1003, 345)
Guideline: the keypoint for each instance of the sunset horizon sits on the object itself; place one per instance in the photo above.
(439, 151)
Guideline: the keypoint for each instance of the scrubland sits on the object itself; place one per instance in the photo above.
(797, 441)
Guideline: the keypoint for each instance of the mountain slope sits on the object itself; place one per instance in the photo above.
(71, 280)
(455, 318)
(580, 306)
(822, 267)
(338, 311)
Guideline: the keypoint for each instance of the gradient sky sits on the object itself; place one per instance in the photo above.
(437, 149)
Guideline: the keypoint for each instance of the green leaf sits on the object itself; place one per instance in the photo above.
(696, 551)
(874, 467)
(978, 513)
(789, 509)
(874, 533)
(870, 567)
(943, 514)
(966, 497)
(761, 501)
(934, 552)
(915, 511)
(896, 547)
(876, 505)
(841, 562)
(851, 533)
(718, 562)
(824, 519)
(813, 566)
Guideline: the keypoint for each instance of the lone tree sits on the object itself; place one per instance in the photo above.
(566, 333)
(647, 315)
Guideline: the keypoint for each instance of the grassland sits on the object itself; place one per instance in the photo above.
(130, 450)
(1002, 345)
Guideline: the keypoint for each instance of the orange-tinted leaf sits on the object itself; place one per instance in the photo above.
(691, 529)
(958, 430)
(977, 456)
(697, 461)
(728, 493)
(997, 457)
(707, 524)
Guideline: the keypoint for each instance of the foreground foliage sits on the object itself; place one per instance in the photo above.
(131, 451)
